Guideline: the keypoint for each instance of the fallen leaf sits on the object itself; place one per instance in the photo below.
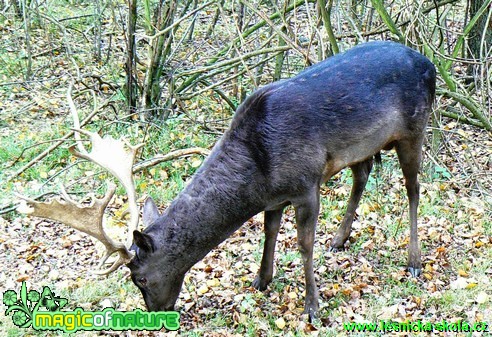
(196, 162)
(202, 290)
(213, 282)
(460, 283)
(280, 323)
(22, 278)
(482, 297)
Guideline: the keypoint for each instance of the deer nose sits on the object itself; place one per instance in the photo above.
(159, 307)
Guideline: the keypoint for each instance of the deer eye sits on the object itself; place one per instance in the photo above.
(142, 281)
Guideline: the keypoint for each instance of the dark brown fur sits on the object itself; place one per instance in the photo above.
(285, 140)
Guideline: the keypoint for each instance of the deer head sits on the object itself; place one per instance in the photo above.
(117, 157)
(153, 269)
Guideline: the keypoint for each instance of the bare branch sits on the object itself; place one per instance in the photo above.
(169, 156)
(43, 154)
(284, 36)
(177, 22)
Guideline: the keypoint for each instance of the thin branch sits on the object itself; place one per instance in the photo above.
(379, 6)
(326, 16)
(404, 23)
(177, 22)
(470, 105)
(233, 61)
(169, 156)
(189, 81)
(30, 147)
(284, 36)
(70, 134)
(225, 80)
(76, 17)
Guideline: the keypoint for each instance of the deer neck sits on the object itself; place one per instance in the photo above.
(225, 192)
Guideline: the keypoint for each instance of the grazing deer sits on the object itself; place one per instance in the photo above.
(284, 141)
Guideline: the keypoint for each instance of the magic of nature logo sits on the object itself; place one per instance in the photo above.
(42, 311)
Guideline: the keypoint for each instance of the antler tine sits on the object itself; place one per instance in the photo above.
(119, 262)
(85, 218)
(117, 156)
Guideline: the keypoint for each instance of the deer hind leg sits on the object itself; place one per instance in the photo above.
(360, 174)
(272, 225)
(306, 218)
(409, 155)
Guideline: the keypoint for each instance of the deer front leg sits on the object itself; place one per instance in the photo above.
(360, 174)
(272, 225)
(306, 217)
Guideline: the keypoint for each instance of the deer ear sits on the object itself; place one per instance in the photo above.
(143, 241)
(150, 212)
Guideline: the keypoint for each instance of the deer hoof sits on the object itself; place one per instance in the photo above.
(332, 249)
(312, 314)
(415, 272)
(259, 283)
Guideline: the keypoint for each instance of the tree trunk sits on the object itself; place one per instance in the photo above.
(130, 67)
(159, 50)
(478, 43)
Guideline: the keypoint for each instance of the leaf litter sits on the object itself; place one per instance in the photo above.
(364, 283)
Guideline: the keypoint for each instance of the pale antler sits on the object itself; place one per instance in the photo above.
(116, 156)
(85, 218)
(112, 155)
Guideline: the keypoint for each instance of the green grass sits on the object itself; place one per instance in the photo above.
(487, 225)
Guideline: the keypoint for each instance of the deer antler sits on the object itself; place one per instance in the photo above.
(112, 155)
(85, 218)
(116, 156)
